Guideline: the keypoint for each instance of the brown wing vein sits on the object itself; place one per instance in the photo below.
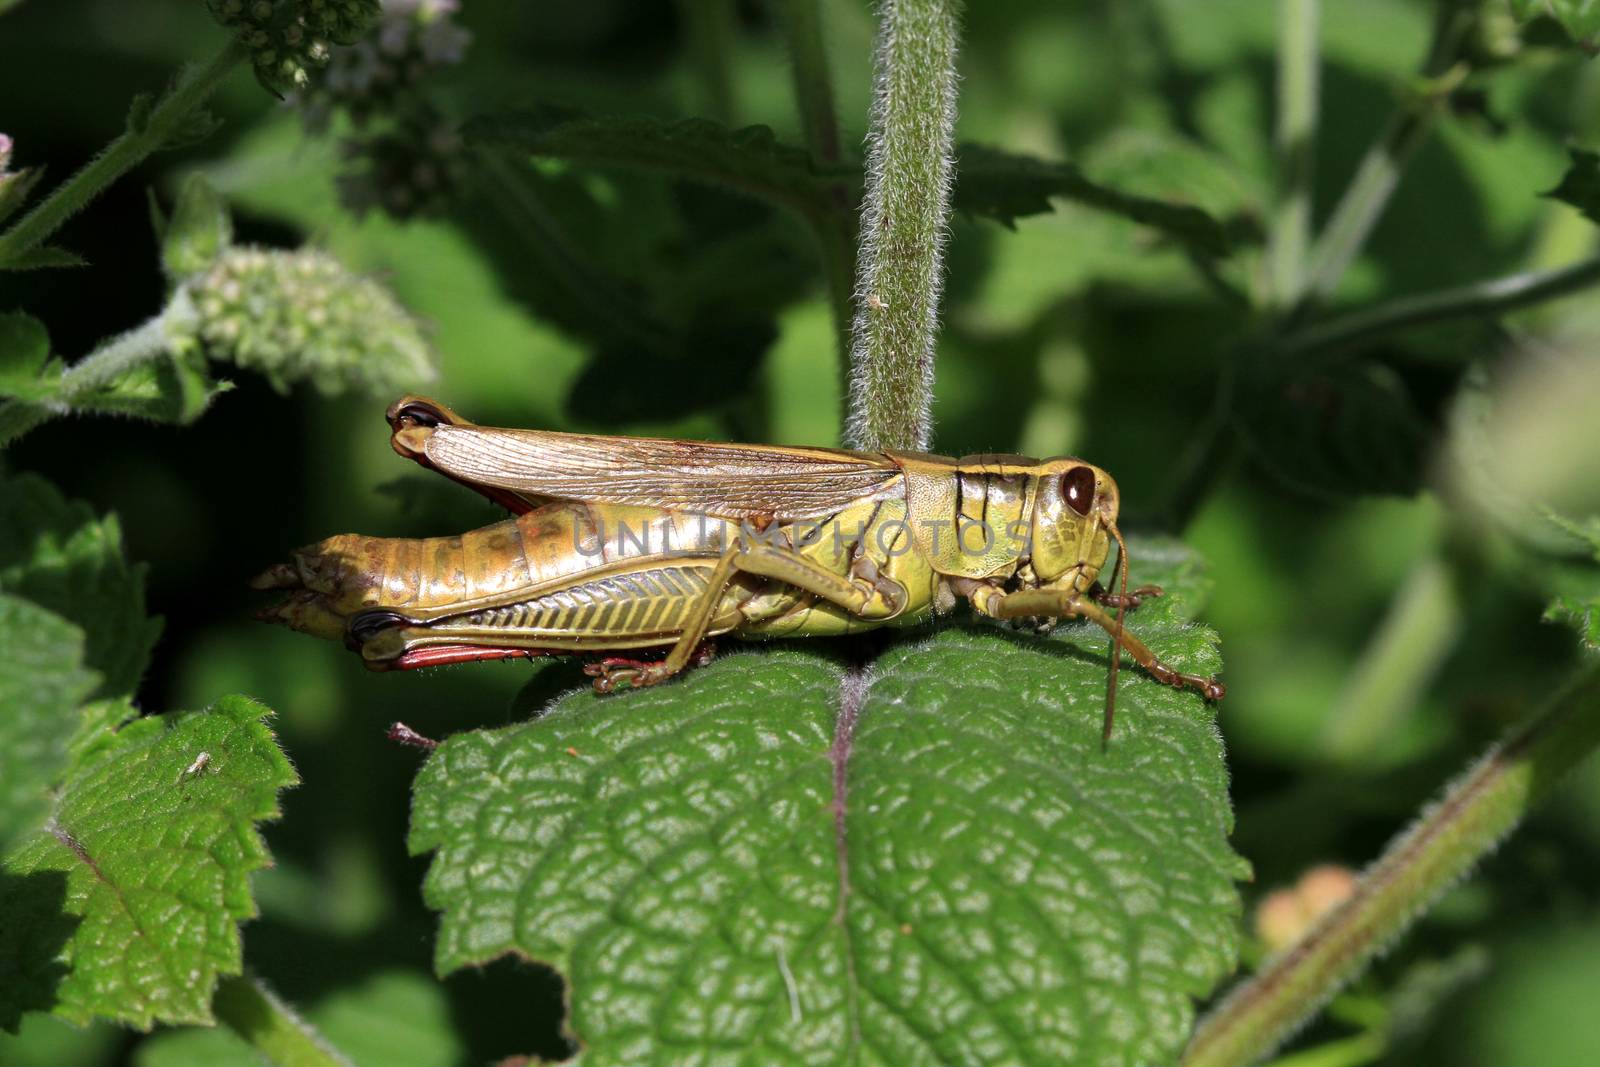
(733, 481)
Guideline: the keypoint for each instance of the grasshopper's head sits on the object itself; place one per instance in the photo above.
(1074, 522)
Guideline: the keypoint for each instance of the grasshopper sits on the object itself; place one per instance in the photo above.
(623, 544)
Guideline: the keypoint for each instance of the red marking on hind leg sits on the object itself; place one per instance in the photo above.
(442, 655)
(705, 653)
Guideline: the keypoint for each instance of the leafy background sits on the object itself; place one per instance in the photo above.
(671, 307)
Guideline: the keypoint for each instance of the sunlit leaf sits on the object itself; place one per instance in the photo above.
(126, 905)
(933, 859)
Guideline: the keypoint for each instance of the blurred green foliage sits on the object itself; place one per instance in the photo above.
(1365, 564)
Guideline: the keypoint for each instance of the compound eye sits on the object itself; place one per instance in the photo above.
(415, 413)
(1077, 487)
(369, 624)
(420, 413)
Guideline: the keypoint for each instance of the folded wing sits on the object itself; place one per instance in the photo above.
(729, 481)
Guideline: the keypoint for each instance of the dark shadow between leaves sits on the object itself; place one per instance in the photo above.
(34, 927)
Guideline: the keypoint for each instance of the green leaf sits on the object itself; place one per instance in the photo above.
(1005, 186)
(1580, 185)
(199, 231)
(1313, 428)
(932, 861)
(24, 354)
(1574, 584)
(1580, 18)
(43, 257)
(144, 868)
(177, 390)
(16, 186)
(139, 111)
(42, 683)
(58, 555)
(749, 160)
(1581, 611)
(391, 1017)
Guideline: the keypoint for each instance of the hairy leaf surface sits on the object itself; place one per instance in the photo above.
(126, 904)
(59, 555)
(930, 859)
(42, 683)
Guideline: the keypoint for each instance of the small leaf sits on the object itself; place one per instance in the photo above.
(1344, 431)
(199, 231)
(145, 867)
(191, 129)
(1580, 185)
(158, 216)
(778, 859)
(44, 257)
(1574, 582)
(749, 160)
(1581, 611)
(42, 684)
(1580, 18)
(175, 390)
(139, 110)
(15, 187)
(59, 556)
(24, 354)
(389, 1017)
(1005, 186)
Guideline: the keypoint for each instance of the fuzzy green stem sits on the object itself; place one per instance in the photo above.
(1466, 824)
(1296, 135)
(1369, 191)
(904, 213)
(1476, 300)
(194, 86)
(277, 1034)
(114, 358)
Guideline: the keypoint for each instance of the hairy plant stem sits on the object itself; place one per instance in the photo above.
(904, 212)
(1466, 824)
(1379, 173)
(1298, 61)
(193, 87)
(116, 357)
(1474, 300)
(270, 1027)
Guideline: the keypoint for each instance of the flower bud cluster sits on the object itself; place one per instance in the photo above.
(291, 39)
(302, 316)
(401, 151)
